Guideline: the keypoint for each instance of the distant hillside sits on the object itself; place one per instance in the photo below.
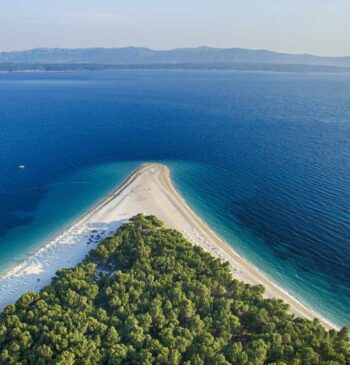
(138, 55)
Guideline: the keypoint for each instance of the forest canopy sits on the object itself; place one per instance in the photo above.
(147, 296)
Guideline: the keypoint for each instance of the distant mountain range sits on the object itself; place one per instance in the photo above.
(135, 55)
(138, 55)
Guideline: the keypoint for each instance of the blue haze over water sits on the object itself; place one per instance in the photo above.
(264, 158)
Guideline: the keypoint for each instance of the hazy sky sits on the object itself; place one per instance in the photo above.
(297, 26)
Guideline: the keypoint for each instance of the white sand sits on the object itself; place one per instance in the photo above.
(149, 191)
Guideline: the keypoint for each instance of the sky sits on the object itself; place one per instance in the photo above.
(320, 27)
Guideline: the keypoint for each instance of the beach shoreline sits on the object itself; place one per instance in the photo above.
(71, 225)
(147, 190)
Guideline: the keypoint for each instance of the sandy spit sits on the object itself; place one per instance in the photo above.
(148, 190)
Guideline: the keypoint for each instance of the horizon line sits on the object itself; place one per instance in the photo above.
(172, 49)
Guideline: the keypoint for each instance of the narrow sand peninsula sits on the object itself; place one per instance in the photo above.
(148, 190)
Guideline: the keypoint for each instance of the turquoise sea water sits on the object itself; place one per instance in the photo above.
(262, 157)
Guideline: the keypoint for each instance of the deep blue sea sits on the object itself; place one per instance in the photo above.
(264, 158)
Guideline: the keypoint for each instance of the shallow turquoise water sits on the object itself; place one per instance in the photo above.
(63, 202)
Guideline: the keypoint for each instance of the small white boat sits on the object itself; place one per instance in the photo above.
(21, 167)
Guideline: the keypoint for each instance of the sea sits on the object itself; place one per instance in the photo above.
(262, 157)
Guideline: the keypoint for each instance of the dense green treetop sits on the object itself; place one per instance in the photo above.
(147, 296)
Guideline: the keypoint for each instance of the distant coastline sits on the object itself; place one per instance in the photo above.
(259, 67)
(140, 58)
